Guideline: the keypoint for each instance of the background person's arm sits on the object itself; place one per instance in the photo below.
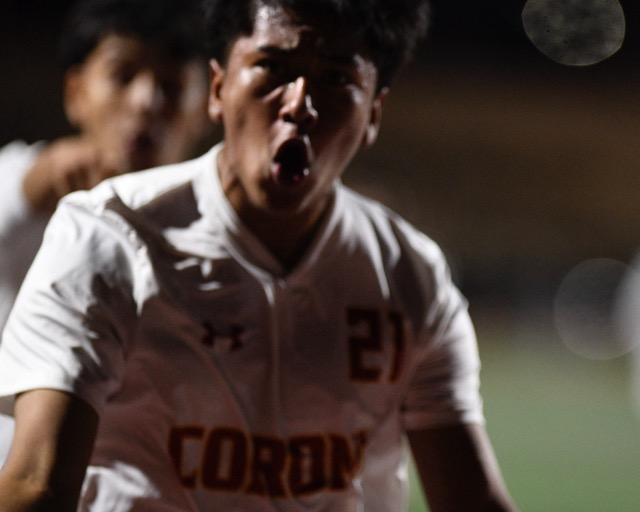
(53, 440)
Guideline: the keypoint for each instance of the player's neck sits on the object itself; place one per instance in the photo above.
(287, 239)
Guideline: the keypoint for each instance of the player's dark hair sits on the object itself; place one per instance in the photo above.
(390, 28)
(174, 25)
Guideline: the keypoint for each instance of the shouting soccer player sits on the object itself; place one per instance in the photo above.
(241, 332)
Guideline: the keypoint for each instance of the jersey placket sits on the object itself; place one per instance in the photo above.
(278, 295)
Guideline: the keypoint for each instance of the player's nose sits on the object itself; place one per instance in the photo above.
(297, 106)
(146, 94)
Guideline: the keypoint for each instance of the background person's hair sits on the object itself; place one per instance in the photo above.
(176, 26)
(391, 28)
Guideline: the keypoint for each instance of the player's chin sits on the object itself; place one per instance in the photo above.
(276, 197)
(286, 205)
(145, 154)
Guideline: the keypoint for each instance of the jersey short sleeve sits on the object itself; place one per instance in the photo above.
(445, 386)
(67, 330)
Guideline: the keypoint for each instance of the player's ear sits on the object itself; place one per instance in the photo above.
(375, 116)
(216, 80)
(73, 91)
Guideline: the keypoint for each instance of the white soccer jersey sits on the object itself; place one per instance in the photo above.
(21, 230)
(224, 383)
(21, 227)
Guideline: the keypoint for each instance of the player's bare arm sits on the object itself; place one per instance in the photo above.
(458, 469)
(53, 440)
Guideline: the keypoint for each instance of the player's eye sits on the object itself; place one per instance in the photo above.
(171, 87)
(270, 65)
(122, 75)
(336, 78)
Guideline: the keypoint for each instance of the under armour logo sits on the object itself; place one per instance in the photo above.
(210, 336)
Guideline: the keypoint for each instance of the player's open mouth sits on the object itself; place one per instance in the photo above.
(291, 163)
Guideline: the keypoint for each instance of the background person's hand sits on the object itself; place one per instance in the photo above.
(66, 165)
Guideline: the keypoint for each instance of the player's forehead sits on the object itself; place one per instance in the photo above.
(116, 48)
(306, 33)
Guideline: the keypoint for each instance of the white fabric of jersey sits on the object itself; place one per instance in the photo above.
(21, 230)
(224, 383)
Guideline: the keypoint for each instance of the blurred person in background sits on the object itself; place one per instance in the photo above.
(135, 89)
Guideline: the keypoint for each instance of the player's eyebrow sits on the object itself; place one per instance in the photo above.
(347, 59)
(274, 50)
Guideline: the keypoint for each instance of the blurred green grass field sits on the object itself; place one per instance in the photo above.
(563, 427)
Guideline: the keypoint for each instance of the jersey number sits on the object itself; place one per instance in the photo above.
(368, 329)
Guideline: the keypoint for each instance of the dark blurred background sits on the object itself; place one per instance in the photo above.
(518, 166)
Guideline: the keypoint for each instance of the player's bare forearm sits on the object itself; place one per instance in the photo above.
(459, 471)
(18, 494)
(53, 440)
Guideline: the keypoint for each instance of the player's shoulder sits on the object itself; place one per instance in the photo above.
(134, 191)
(141, 187)
(391, 230)
(136, 205)
(14, 153)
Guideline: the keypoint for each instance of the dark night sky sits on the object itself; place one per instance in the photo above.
(467, 31)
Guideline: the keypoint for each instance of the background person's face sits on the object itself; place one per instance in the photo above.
(140, 107)
(297, 101)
